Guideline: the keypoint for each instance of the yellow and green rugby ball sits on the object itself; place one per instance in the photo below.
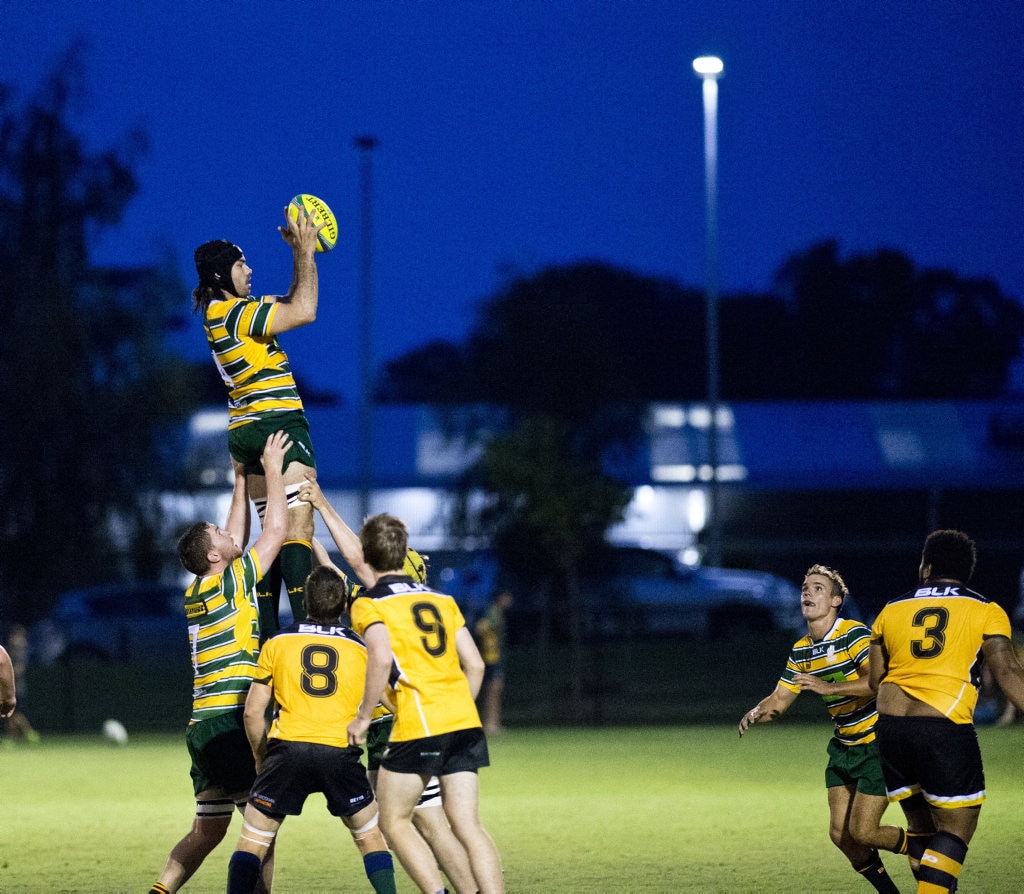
(320, 212)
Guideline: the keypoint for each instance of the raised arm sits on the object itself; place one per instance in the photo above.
(275, 521)
(344, 537)
(239, 513)
(770, 708)
(298, 307)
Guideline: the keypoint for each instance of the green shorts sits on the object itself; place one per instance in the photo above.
(221, 754)
(377, 740)
(246, 442)
(856, 765)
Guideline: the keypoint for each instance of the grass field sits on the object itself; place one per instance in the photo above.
(672, 809)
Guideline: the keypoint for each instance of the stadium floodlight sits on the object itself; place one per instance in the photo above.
(710, 69)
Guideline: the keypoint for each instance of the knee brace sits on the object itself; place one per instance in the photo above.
(260, 838)
(217, 809)
(360, 833)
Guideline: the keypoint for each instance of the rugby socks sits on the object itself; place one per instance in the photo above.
(296, 563)
(901, 844)
(243, 872)
(159, 889)
(941, 864)
(917, 844)
(380, 870)
(875, 873)
(268, 595)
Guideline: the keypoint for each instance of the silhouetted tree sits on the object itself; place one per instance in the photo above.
(873, 326)
(87, 393)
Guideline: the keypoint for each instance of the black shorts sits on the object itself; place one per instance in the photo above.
(933, 756)
(464, 750)
(292, 771)
(494, 671)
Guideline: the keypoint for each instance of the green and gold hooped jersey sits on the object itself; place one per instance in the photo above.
(840, 655)
(251, 362)
(223, 631)
(932, 637)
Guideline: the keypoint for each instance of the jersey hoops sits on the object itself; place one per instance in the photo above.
(840, 655)
(251, 362)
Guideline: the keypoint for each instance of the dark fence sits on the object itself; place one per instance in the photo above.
(620, 682)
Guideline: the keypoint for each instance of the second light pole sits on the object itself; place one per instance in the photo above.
(365, 145)
(709, 69)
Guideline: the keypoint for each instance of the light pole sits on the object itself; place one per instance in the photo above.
(709, 69)
(365, 145)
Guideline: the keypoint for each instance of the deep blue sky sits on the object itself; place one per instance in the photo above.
(519, 133)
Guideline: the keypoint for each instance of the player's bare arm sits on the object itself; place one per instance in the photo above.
(469, 658)
(770, 708)
(811, 683)
(378, 669)
(1006, 668)
(239, 513)
(275, 522)
(344, 537)
(878, 665)
(321, 556)
(298, 307)
(254, 718)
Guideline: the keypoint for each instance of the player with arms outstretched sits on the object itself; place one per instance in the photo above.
(223, 627)
(832, 661)
(242, 334)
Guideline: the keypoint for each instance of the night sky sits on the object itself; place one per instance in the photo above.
(514, 135)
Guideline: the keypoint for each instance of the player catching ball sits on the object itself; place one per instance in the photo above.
(263, 398)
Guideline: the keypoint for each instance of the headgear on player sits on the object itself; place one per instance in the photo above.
(214, 261)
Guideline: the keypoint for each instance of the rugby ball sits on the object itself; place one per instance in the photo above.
(319, 211)
(114, 732)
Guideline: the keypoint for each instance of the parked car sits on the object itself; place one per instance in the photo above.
(643, 591)
(634, 591)
(141, 621)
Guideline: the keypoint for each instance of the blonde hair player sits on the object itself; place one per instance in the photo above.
(832, 661)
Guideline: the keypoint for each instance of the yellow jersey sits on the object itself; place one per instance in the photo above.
(318, 674)
(431, 692)
(932, 638)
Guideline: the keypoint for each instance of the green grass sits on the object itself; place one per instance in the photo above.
(616, 809)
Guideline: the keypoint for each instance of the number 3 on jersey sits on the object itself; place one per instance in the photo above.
(934, 620)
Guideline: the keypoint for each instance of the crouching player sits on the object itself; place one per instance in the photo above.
(316, 671)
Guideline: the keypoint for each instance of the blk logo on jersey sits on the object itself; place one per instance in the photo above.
(937, 591)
